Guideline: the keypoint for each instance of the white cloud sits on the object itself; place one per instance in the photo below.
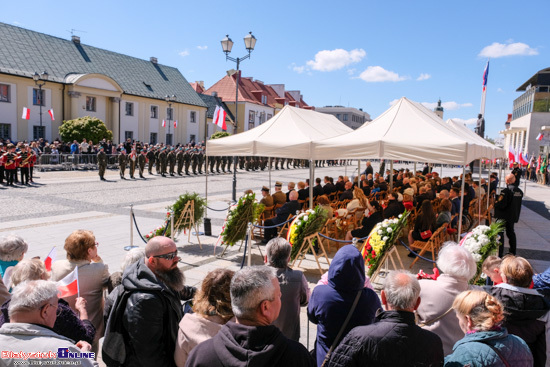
(500, 90)
(471, 121)
(449, 106)
(327, 60)
(296, 68)
(184, 53)
(202, 48)
(15, 22)
(423, 76)
(374, 74)
(497, 50)
(351, 72)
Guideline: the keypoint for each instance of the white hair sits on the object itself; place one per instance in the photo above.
(131, 257)
(12, 247)
(402, 290)
(251, 286)
(456, 261)
(278, 252)
(31, 295)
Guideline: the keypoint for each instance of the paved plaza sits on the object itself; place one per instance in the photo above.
(60, 202)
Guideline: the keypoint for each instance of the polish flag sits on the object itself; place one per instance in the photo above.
(68, 286)
(522, 160)
(220, 121)
(511, 155)
(50, 259)
(50, 111)
(26, 113)
(163, 123)
(216, 113)
(540, 136)
(175, 123)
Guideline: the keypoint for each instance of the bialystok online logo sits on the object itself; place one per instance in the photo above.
(62, 353)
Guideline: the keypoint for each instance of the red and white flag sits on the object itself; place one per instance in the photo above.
(163, 123)
(50, 111)
(26, 113)
(175, 123)
(68, 286)
(50, 259)
(511, 155)
(219, 117)
(540, 136)
(522, 159)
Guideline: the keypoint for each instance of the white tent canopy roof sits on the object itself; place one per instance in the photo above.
(491, 150)
(288, 134)
(406, 131)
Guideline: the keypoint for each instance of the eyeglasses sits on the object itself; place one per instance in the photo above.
(49, 304)
(168, 256)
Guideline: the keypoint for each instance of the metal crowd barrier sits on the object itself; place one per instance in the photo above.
(69, 162)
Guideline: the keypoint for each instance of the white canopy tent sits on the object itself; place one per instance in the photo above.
(491, 151)
(406, 131)
(289, 134)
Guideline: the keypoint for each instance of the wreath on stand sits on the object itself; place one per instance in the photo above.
(305, 224)
(248, 210)
(177, 208)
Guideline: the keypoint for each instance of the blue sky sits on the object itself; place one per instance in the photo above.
(363, 54)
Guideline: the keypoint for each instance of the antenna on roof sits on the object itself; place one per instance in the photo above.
(72, 31)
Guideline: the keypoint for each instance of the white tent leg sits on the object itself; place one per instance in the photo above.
(391, 175)
(269, 165)
(461, 203)
(311, 181)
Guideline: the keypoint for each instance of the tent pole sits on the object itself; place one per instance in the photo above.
(346, 168)
(359, 168)
(488, 186)
(206, 185)
(391, 175)
(461, 203)
(499, 178)
(441, 170)
(311, 181)
(269, 165)
(414, 168)
(479, 199)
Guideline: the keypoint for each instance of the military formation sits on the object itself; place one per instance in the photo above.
(16, 158)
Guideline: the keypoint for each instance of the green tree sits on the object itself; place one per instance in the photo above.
(90, 128)
(219, 134)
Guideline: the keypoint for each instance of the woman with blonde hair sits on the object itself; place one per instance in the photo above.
(212, 307)
(486, 342)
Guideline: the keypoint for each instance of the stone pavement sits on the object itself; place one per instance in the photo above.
(60, 202)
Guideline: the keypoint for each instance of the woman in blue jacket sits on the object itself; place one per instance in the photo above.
(486, 342)
(329, 304)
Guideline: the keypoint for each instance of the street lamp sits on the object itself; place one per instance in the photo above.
(40, 80)
(227, 45)
(170, 100)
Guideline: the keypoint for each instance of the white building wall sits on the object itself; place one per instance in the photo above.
(8, 111)
(193, 127)
(35, 114)
(129, 123)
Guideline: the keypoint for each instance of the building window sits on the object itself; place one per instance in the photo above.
(169, 139)
(269, 116)
(154, 112)
(4, 93)
(5, 131)
(251, 116)
(90, 104)
(129, 109)
(128, 135)
(338, 116)
(345, 117)
(38, 132)
(193, 117)
(192, 138)
(170, 113)
(153, 138)
(38, 97)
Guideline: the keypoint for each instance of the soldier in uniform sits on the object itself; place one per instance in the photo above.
(212, 161)
(132, 158)
(241, 162)
(172, 160)
(194, 160)
(179, 160)
(142, 159)
(163, 158)
(151, 159)
(229, 161)
(187, 160)
(24, 165)
(224, 163)
(122, 160)
(10, 160)
(218, 162)
(201, 160)
(102, 162)
(157, 160)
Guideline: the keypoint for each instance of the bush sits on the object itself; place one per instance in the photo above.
(90, 128)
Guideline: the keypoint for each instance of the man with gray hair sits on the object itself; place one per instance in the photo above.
(294, 289)
(394, 339)
(252, 340)
(29, 339)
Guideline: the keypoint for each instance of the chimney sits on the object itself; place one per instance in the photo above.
(75, 39)
(201, 83)
(214, 94)
(154, 60)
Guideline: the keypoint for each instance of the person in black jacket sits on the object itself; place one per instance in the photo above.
(152, 289)
(368, 223)
(508, 207)
(393, 339)
(394, 207)
(289, 208)
(317, 189)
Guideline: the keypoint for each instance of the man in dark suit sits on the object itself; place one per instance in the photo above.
(348, 193)
(329, 187)
(318, 189)
(281, 215)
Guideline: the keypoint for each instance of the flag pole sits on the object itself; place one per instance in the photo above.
(77, 283)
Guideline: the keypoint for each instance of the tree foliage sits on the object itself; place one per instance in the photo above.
(219, 134)
(87, 127)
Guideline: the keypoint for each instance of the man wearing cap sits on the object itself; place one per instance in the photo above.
(163, 159)
(179, 160)
(290, 186)
(171, 161)
(282, 214)
(122, 160)
(517, 171)
(151, 159)
(102, 163)
(132, 158)
(142, 159)
(267, 199)
(10, 160)
(279, 197)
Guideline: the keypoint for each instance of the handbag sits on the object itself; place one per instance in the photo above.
(426, 234)
(337, 339)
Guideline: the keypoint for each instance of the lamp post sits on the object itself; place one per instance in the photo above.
(227, 45)
(170, 100)
(40, 80)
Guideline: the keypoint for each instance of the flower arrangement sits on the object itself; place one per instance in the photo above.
(482, 241)
(246, 211)
(381, 239)
(305, 224)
